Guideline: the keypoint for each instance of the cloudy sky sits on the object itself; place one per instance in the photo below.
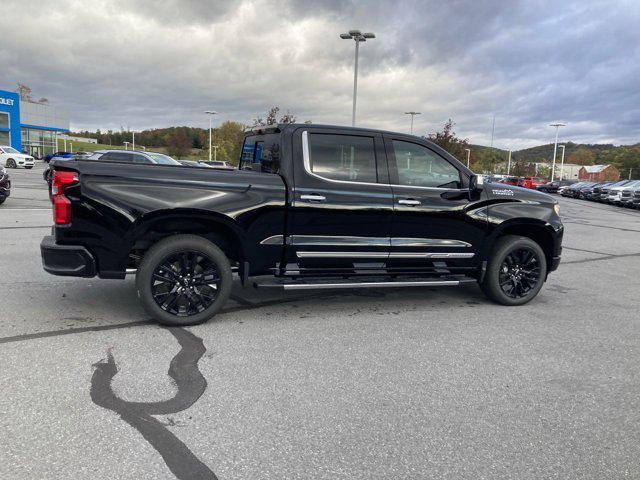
(155, 63)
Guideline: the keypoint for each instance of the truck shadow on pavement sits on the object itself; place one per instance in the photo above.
(191, 384)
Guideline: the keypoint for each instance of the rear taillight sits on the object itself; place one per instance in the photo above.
(60, 181)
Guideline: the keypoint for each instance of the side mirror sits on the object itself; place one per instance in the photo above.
(474, 183)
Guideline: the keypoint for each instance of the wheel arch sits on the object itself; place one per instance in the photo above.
(540, 232)
(217, 228)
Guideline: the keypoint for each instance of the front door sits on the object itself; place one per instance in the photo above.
(342, 203)
(435, 227)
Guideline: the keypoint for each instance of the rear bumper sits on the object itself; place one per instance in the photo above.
(66, 260)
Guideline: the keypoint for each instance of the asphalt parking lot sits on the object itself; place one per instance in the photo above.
(414, 383)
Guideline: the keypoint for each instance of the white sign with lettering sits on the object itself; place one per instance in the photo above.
(6, 101)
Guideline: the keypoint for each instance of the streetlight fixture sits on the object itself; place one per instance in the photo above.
(413, 114)
(358, 37)
(468, 150)
(211, 113)
(561, 162)
(555, 147)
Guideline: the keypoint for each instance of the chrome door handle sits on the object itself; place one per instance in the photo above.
(409, 202)
(313, 198)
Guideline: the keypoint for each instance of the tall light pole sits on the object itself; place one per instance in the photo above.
(413, 114)
(555, 147)
(133, 145)
(562, 162)
(358, 37)
(509, 163)
(468, 150)
(211, 113)
(215, 153)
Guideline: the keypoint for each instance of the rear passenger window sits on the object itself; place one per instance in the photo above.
(261, 153)
(343, 157)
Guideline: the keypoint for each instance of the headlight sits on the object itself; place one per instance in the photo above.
(556, 208)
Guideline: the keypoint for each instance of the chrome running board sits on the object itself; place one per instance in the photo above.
(306, 285)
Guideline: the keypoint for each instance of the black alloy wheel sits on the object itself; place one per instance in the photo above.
(185, 283)
(184, 280)
(519, 272)
(516, 271)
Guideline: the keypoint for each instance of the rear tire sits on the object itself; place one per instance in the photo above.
(184, 280)
(516, 271)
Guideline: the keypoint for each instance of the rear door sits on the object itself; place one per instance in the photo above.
(342, 203)
(435, 227)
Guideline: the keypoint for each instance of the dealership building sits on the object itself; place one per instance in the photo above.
(29, 126)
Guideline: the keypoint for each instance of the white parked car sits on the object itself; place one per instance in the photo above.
(616, 193)
(11, 158)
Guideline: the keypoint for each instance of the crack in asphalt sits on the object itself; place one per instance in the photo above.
(98, 328)
(191, 384)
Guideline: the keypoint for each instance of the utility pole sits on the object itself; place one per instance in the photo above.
(555, 148)
(509, 163)
(211, 113)
(468, 150)
(358, 37)
(413, 114)
(561, 162)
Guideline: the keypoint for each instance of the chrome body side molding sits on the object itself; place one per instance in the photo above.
(392, 255)
(346, 241)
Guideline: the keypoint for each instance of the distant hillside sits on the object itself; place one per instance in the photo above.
(544, 153)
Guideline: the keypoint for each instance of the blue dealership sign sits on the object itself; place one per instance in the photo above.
(10, 118)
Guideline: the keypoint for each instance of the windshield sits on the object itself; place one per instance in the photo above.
(10, 150)
(163, 159)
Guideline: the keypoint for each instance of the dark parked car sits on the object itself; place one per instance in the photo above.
(310, 207)
(49, 156)
(553, 187)
(5, 185)
(573, 191)
(596, 191)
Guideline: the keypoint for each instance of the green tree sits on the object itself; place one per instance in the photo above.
(178, 143)
(581, 156)
(447, 140)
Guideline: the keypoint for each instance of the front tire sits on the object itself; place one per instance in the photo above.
(11, 163)
(516, 270)
(184, 280)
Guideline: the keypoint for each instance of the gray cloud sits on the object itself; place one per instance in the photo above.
(157, 63)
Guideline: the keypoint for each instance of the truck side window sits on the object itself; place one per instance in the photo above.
(418, 166)
(343, 157)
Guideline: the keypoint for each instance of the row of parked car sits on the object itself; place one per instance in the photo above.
(625, 193)
(130, 156)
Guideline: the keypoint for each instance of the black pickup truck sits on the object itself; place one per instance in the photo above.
(309, 207)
